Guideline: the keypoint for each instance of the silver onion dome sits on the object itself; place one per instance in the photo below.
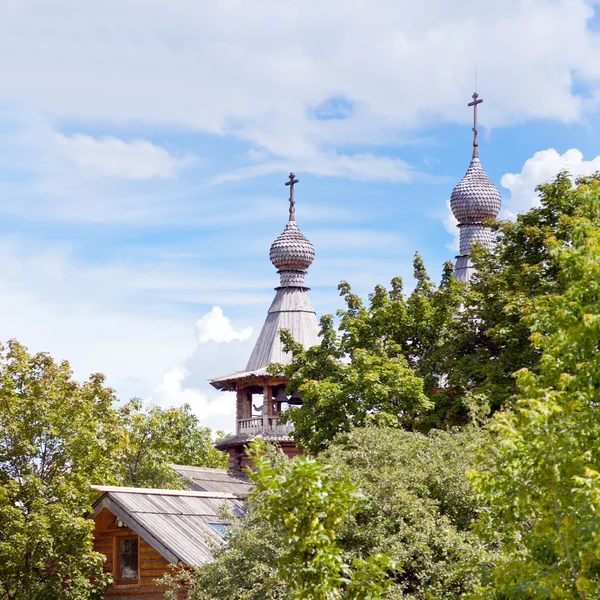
(292, 249)
(475, 197)
(292, 253)
(473, 200)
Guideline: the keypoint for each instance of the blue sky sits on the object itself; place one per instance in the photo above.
(144, 147)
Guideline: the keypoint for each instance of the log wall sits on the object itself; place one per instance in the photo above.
(152, 565)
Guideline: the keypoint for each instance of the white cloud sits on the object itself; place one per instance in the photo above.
(219, 410)
(360, 167)
(112, 157)
(256, 71)
(180, 384)
(124, 320)
(542, 167)
(215, 326)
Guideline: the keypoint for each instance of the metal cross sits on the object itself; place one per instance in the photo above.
(476, 101)
(291, 183)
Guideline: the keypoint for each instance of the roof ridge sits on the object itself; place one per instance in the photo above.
(106, 489)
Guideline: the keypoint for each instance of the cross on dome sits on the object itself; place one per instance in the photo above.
(292, 253)
(476, 101)
(292, 181)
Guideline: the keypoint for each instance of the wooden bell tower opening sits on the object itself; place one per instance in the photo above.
(260, 402)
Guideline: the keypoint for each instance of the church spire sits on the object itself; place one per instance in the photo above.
(473, 200)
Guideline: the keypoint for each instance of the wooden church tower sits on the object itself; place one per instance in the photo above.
(260, 397)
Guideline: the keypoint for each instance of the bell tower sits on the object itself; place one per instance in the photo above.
(260, 396)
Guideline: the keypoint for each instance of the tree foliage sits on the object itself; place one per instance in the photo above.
(443, 355)
(542, 473)
(411, 503)
(155, 437)
(381, 363)
(56, 436)
(490, 340)
(312, 504)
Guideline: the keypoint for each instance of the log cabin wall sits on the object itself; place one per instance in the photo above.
(239, 460)
(152, 565)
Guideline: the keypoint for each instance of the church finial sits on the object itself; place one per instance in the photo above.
(476, 101)
(291, 183)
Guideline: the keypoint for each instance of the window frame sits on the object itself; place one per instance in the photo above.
(118, 538)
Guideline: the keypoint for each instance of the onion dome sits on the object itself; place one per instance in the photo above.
(475, 197)
(473, 200)
(292, 253)
(292, 250)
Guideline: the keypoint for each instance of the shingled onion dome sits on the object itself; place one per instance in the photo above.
(292, 252)
(474, 199)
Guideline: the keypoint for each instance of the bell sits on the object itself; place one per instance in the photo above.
(281, 397)
(295, 398)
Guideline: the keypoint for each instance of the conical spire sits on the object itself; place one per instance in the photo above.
(474, 199)
(291, 309)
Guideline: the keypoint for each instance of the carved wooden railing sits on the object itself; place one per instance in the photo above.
(263, 425)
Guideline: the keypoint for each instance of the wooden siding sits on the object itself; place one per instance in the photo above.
(239, 460)
(152, 565)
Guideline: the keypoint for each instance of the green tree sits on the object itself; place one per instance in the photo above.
(442, 355)
(285, 546)
(409, 499)
(541, 473)
(490, 340)
(312, 504)
(381, 363)
(156, 437)
(417, 506)
(56, 437)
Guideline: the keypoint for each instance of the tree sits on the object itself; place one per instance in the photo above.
(155, 437)
(417, 506)
(541, 473)
(312, 505)
(490, 340)
(442, 355)
(294, 513)
(56, 437)
(403, 494)
(381, 363)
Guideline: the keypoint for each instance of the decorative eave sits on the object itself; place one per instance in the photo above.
(242, 379)
(237, 440)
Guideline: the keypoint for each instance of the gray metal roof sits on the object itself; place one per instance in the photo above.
(175, 523)
(291, 253)
(213, 480)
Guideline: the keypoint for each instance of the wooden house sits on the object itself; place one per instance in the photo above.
(142, 532)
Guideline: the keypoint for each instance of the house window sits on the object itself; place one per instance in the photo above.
(219, 527)
(127, 560)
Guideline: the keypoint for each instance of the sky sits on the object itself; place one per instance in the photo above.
(144, 147)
